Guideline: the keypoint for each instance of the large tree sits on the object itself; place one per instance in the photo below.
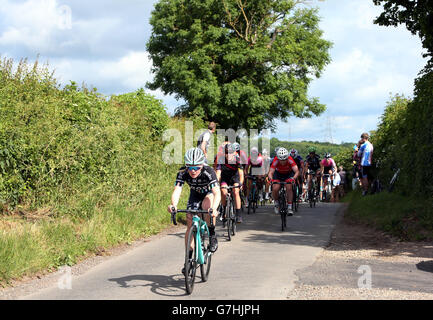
(240, 63)
(417, 15)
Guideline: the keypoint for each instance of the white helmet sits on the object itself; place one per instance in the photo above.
(294, 153)
(282, 154)
(254, 151)
(236, 146)
(194, 157)
(265, 152)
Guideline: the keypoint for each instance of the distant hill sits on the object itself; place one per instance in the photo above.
(303, 146)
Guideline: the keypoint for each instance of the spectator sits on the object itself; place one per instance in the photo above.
(356, 166)
(343, 183)
(335, 195)
(365, 153)
(205, 138)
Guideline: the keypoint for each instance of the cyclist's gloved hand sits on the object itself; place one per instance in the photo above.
(212, 212)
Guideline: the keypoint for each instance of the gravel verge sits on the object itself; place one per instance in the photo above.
(361, 263)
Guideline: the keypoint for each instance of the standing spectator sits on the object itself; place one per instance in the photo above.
(336, 184)
(356, 166)
(365, 153)
(205, 138)
(343, 181)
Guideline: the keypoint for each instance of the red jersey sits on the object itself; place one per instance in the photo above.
(283, 169)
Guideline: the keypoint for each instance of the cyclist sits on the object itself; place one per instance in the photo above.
(267, 163)
(328, 166)
(229, 172)
(205, 192)
(244, 161)
(300, 163)
(255, 167)
(312, 165)
(283, 169)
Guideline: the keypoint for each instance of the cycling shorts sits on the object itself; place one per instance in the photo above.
(195, 200)
(279, 177)
(230, 178)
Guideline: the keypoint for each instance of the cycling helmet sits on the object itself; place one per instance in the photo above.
(282, 154)
(255, 151)
(229, 148)
(236, 146)
(327, 155)
(276, 150)
(294, 153)
(194, 157)
(265, 152)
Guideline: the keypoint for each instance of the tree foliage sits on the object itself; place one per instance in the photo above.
(405, 134)
(417, 15)
(240, 63)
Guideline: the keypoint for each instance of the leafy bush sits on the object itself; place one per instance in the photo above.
(58, 143)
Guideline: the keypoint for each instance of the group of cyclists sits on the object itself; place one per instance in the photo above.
(232, 167)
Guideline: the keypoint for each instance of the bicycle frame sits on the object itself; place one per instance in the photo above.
(202, 228)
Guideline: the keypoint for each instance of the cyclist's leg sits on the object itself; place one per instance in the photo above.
(249, 188)
(206, 205)
(194, 203)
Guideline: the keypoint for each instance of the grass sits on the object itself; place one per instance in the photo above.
(30, 247)
(408, 218)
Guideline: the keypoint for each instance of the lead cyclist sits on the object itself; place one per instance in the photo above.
(205, 193)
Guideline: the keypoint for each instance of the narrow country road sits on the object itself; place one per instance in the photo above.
(259, 263)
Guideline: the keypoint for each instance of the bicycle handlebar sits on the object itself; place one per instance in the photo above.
(174, 212)
(231, 187)
(284, 183)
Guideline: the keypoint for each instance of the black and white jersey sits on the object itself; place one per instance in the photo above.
(203, 184)
(313, 162)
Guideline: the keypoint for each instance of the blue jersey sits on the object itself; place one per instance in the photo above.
(366, 154)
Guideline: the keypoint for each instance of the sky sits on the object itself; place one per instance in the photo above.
(103, 44)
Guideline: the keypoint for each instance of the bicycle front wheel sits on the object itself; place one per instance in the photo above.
(191, 263)
(205, 268)
(233, 219)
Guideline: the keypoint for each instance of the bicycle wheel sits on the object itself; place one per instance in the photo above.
(229, 219)
(190, 264)
(205, 243)
(296, 198)
(283, 210)
(233, 218)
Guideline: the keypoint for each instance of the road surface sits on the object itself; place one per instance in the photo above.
(260, 263)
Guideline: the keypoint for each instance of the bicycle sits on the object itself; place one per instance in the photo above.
(230, 216)
(252, 197)
(393, 180)
(201, 256)
(282, 202)
(312, 190)
(327, 190)
(297, 195)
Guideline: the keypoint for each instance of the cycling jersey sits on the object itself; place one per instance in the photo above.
(283, 169)
(328, 163)
(244, 158)
(256, 167)
(299, 161)
(229, 169)
(366, 154)
(313, 162)
(203, 184)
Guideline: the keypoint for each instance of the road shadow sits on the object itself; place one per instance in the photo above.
(167, 286)
(351, 236)
(426, 266)
(308, 226)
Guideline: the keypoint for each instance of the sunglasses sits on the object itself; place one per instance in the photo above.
(194, 168)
